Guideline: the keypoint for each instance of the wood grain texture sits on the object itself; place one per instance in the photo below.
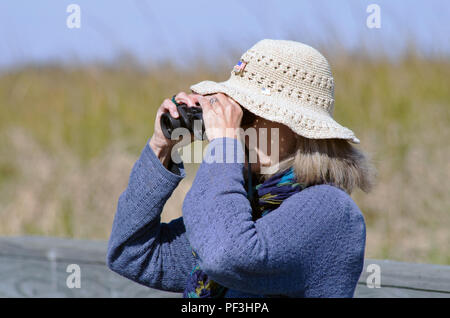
(36, 267)
(406, 280)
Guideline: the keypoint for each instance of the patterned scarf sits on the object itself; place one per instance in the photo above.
(269, 195)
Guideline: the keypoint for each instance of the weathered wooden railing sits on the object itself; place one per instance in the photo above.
(37, 267)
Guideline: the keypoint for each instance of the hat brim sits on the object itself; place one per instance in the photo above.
(300, 118)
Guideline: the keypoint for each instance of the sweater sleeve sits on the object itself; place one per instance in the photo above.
(140, 247)
(313, 244)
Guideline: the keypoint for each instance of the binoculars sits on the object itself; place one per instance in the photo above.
(188, 116)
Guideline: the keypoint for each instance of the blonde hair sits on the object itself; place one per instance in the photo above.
(335, 161)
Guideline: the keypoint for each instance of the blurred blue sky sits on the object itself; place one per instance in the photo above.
(36, 31)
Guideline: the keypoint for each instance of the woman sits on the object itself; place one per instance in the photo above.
(291, 231)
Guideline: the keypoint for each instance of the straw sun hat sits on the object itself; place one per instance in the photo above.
(286, 82)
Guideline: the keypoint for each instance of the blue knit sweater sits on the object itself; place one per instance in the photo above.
(311, 246)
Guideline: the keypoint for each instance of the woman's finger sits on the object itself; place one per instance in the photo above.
(204, 103)
(216, 103)
(217, 106)
(231, 100)
(195, 97)
(223, 100)
(184, 98)
(236, 105)
(169, 106)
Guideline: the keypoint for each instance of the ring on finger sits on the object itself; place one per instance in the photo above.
(213, 100)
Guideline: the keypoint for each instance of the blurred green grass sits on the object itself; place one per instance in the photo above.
(71, 135)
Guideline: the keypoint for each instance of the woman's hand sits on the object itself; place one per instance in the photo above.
(221, 114)
(161, 145)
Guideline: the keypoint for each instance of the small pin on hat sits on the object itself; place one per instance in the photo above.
(266, 91)
(239, 67)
